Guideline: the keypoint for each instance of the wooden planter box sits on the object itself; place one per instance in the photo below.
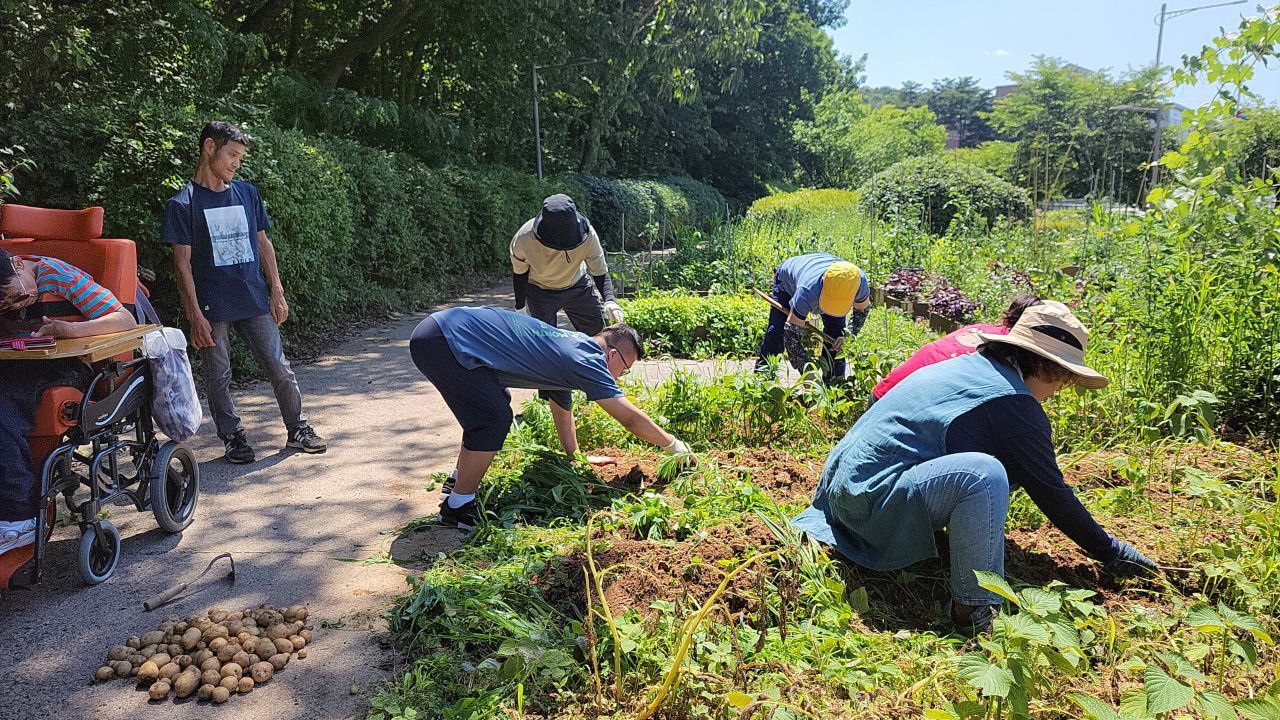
(920, 311)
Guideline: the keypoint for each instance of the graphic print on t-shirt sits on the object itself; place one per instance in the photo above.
(229, 235)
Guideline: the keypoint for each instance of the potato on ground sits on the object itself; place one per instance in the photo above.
(205, 692)
(159, 690)
(230, 682)
(148, 672)
(261, 672)
(278, 661)
(230, 669)
(185, 684)
(210, 677)
(220, 694)
(246, 684)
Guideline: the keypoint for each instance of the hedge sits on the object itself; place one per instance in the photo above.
(696, 326)
(639, 214)
(358, 231)
(934, 190)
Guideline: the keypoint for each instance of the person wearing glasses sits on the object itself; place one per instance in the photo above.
(473, 355)
(24, 280)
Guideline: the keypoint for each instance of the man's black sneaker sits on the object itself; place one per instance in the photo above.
(306, 440)
(238, 451)
(463, 518)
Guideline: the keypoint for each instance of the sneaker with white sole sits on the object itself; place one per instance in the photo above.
(306, 440)
(465, 517)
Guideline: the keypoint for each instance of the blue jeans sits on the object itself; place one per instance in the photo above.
(771, 344)
(967, 493)
(262, 335)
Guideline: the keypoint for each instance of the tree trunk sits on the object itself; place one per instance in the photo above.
(393, 21)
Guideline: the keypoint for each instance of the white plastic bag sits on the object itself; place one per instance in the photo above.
(175, 407)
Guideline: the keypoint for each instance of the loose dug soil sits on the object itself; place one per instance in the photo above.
(785, 477)
(687, 572)
(638, 572)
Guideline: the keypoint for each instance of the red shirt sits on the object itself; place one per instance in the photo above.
(960, 342)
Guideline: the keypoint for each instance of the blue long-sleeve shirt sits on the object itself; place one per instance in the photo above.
(1015, 430)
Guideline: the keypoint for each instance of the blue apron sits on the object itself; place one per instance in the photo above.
(866, 504)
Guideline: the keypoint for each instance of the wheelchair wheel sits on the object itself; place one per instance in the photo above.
(175, 487)
(99, 551)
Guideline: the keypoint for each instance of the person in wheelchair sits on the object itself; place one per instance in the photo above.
(24, 280)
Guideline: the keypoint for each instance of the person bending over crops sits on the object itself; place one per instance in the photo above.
(472, 355)
(944, 448)
(954, 344)
(26, 283)
(548, 255)
(805, 284)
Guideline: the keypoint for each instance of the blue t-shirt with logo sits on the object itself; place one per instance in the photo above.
(528, 353)
(222, 230)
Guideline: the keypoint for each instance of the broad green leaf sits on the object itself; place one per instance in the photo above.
(1241, 621)
(1215, 706)
(1065, 634)
(1023, 626)
(996, 584)
(1040, 602)
(1134, 704)
(1205, 619)
(940, 714)
(1164, 694)
(992, 680)
(1259, 709)
(1181, 667)
(738, 699)
(1094, 708)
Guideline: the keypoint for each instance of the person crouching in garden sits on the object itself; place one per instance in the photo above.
(944, 448)
(472, 355)
(548, 255)
(814, 283)
(954, 344)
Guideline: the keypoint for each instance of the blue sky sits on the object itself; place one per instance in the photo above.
(929, 39)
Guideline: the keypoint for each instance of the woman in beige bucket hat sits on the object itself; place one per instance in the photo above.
(943, 449)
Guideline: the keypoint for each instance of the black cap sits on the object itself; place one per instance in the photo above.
(559, 225)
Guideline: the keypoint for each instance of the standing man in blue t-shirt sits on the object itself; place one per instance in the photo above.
(472, 355)
(227, 275)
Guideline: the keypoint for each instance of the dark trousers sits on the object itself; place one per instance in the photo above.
(579, 302)
(480, 403)
(22, 382)
(771, 344)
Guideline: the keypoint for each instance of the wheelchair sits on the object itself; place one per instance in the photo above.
(95, 446)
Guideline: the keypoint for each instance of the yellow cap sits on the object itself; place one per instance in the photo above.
(839, 286)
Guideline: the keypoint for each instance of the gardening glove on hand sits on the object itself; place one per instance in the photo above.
(678, 447)
(1128, 562)
(857, 318)
(797, 351)
(613, 313)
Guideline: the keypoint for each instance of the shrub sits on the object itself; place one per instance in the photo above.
(638, 214)
(936, 190)
(694, 326)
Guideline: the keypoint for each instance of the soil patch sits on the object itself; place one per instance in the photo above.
(639, 572)
(785, 477)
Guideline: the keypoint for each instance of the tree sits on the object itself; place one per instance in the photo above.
(1073, 137)
(960, 104)
(848, 141)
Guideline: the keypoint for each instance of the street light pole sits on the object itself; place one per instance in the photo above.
(537, 122)
(537, 119)
(1165, 13)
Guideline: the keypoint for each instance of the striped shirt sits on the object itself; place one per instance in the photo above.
(70, 283)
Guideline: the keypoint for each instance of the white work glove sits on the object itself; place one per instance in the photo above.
(613, 313)
(676, 447)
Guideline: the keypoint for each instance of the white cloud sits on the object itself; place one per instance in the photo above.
(996, 53)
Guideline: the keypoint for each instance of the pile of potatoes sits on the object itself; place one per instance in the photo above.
(211, 656)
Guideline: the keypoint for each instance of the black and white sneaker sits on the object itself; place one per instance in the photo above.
(238, 450)
(306, 440)
(463, 518)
